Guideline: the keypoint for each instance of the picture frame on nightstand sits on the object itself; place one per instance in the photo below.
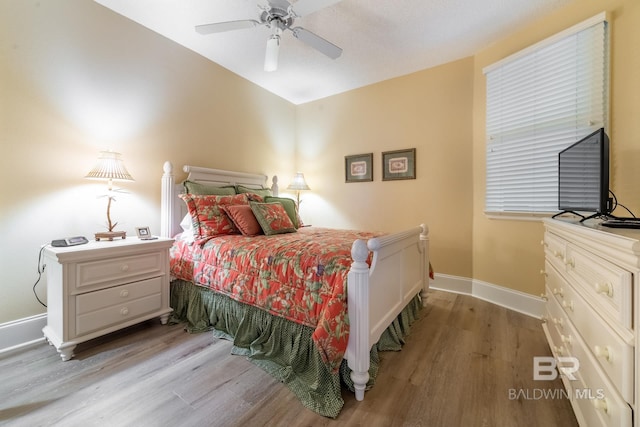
(144, 233)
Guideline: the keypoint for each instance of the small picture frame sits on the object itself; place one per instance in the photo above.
(358, 168)
(399, 164)
(144, 233)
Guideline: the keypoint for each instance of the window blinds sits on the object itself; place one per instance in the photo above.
(540, 101)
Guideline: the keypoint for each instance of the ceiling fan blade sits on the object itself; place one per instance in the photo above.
(317, 42)
(306, 7)
(220, 27)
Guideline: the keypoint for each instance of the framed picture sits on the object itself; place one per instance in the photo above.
(144, 233)
(358, 168)
(399, 164)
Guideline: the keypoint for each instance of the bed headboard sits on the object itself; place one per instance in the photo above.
(173, 209)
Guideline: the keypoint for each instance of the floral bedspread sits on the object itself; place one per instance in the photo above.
(300, 276)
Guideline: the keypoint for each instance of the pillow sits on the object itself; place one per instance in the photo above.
(207, 214)
(244, 219)
(197, 188)
(272, 218)
(263, 192)
(289, 206)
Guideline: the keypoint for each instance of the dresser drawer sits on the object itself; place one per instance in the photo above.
(598, 399)
(112, 271)
(606, 286)
(101, 309)
(554, 248)
(613, 354)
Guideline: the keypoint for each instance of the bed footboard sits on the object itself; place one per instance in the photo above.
(377, 294)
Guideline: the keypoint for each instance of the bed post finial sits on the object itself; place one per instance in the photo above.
(166, 200)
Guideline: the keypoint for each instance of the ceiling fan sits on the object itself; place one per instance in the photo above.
(279, 15)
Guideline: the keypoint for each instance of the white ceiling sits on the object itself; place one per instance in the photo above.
(381, 39)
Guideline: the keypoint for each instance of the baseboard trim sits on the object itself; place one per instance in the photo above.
(508, 298)
(21, 334)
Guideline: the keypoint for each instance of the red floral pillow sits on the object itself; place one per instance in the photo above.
(208, 216)
(272, 218)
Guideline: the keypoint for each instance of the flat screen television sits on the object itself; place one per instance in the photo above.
(583, 175)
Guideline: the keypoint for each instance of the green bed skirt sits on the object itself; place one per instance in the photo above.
(282, 348)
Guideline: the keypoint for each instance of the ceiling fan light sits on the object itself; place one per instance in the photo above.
(271, 56)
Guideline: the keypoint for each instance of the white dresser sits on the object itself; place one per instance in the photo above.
(591, 319)
(100, 287)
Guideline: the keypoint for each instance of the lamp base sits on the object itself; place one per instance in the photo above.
(110, 235)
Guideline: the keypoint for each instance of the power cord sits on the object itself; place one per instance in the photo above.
(41, 268)
(616, 204)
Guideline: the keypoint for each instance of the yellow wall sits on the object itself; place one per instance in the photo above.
(429, 110)
(76, 78)
(506, 252)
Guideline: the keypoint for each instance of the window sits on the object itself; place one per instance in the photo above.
(540, 101)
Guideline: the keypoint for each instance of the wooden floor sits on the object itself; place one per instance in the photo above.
(461, 362)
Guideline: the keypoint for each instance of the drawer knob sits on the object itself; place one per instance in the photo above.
(571, 263)
(125, 267)
(558, 321)
(603, 352)
(565, 339)
(543, 243)
(601, 404)
(558, 350)
(124, 293)
(568, 305)
(544, 297)
(558, 291)
(124, 311)
(604, 288)
(544, 273)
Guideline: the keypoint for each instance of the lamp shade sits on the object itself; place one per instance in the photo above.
(298, 183)
(109, 166)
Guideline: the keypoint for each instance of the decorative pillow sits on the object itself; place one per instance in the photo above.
(263, 192)
(244, 219)
(272, 218)
(207, 214)
(289, 207)
(198, 188)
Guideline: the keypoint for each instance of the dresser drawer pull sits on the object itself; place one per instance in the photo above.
(601, 404)
(603, 352)
(125, 267)
(124, 311)
(558, 350)
(558, 291)
(543, 243)
(566, 339)
(568, 305)
(124, 293)
(571, 263)
(558, 322)
(544, 297)
(558, 254)
(543, 273)
(604, 288)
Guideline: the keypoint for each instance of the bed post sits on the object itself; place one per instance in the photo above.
(426, 265)
(358, 306)
(166, 200)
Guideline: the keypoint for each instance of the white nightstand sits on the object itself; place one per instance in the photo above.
(100, 287)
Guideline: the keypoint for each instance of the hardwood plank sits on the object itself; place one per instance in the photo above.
(457, 367)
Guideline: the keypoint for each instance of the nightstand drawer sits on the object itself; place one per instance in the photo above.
(112, 271)
(123, 294)
(121, 311)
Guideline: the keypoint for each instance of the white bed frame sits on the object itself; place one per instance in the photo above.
(376, 295)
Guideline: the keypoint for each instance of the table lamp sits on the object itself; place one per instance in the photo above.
(110, 167)
(298, 184)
